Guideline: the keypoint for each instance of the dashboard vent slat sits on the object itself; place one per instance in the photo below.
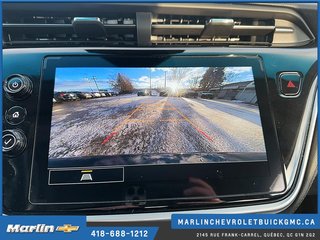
(61, 28)
(167, 29)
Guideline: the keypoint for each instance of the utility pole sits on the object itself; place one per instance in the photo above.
(94, 79)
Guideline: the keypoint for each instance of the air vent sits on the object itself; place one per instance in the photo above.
(201, 31)
(204, 31)
(148, 25)
(39, 31)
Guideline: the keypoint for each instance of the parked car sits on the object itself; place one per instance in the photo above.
(154, 93)
(142, 93)
(73, 96)
(163, 94)
(105, 94)
(84, 95)
(96, 95)
(114, 93)
(207, 95)
(191, 95)
(61, 96)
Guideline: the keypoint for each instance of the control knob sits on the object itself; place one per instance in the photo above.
(17, 86)
(13, 142)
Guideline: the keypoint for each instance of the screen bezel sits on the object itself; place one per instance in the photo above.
(248, 178)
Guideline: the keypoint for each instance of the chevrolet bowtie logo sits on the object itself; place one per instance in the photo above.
(67, 228)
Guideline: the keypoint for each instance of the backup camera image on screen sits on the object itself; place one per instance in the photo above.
(113, 111)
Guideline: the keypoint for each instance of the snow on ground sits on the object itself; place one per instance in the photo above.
(236, 126)
(151, 124)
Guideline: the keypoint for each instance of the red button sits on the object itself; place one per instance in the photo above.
(290, 83)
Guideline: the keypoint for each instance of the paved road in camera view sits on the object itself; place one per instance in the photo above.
(129, 124)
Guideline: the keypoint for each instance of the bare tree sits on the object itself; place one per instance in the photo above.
(194, 84)
(178, 74)
(122, 83)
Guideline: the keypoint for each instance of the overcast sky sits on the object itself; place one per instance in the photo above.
(81, 79)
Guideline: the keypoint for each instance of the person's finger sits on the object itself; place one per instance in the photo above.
(198, 191)
(200, 182)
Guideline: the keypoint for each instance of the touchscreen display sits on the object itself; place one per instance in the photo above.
(116, 112)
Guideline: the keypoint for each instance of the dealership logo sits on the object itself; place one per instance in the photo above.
(67, 228)
(40, 228)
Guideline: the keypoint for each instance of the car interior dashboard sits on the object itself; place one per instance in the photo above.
(149, 109)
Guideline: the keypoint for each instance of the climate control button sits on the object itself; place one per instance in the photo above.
(18, 86)
(13, 142)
